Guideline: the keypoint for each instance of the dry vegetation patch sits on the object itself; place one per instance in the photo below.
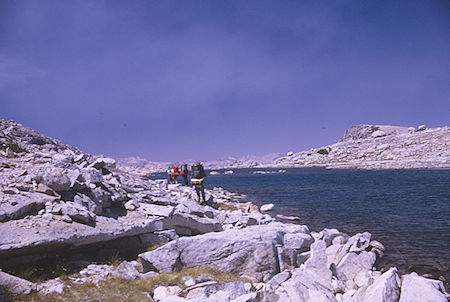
(126, 290)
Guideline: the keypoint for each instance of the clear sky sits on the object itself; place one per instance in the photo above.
(172, 80)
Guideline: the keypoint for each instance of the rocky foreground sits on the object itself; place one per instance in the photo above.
(57, 200)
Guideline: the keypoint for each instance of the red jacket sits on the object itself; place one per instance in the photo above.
(176, 172)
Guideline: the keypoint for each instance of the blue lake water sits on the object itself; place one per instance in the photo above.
(406, 210)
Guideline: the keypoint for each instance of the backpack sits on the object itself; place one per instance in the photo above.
(184, 170)
(176, 172)
(198, 171)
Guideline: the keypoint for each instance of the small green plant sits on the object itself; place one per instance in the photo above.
(16, 148)
(44, 272)
(115, 260)
(323, 151)
(30, 273)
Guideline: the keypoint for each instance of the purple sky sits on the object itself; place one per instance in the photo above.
(173, 80)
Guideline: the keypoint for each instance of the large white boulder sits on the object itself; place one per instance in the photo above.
(267, 207)
(298, 241)
(352, 264)
(356, 243)
(212, 291)
(92, 175)
(162, 292)
(378, 133)
(57, 181)
(173, 299)
(250, 297)
(329, 236)
(20, 205)
(62, 160)
(385, 288)
(103, 162)
(127, 270)
(15, 285)
(77, 212)
(416, 288)
(310, 282)
(303, 287)
(76, 179)
(186, 224)
(421, 128)
(91, 203)
(250, 251)
(131, 205)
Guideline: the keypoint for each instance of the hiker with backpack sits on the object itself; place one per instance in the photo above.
(175, 174)
(198, 174)
(184, 173)
(169, 174)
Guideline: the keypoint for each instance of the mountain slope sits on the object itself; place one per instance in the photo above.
(379, 147)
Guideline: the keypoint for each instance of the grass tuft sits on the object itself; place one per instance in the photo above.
(154, 247)
(228, 207)
(117, 290)
(43, 273)
(115, 260)
(14, 147)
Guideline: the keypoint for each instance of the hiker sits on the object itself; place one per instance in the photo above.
(198, 173)
(169, 174)
(175, 174)
(184, 173)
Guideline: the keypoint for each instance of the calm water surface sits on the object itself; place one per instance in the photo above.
(406, 210)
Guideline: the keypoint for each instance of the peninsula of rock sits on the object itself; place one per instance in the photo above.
(379, 147)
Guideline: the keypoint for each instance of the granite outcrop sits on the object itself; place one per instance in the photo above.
(379, 147)
(53, 196)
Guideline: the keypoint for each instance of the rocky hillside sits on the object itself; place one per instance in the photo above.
(60, 206)
(379, 147)
(68, 198)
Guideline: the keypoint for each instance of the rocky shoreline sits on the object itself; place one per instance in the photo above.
(57, 200)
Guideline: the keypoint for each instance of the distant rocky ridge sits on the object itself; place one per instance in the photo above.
(379, 147)
(58, 200)
(250, 161)
(361, 147)
(143, 167)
